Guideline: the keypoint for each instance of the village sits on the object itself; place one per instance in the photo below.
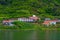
(32, 19)
(29, 19)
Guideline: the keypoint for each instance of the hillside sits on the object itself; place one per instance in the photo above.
(25, 8)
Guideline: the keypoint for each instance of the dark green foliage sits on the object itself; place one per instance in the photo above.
(24, 25)
(26, 8)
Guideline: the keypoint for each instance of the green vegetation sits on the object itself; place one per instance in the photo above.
(26, 8)
(29, 26)
(25, 30)
(24, 25)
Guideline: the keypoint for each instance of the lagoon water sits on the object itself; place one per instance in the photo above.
(29, 35)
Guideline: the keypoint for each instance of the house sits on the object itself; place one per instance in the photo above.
(25, 19)
(30, 19)
(8, 22)
(34, 17)
(50, 22)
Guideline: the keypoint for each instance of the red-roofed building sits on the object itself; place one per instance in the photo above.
(34, 17)
(8, 22)
(50, 22)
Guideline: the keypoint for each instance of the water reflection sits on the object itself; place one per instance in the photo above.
(29, 35)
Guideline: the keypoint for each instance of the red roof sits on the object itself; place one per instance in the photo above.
(51, 21)
(35, 18)
(48, 21)
(7, 20)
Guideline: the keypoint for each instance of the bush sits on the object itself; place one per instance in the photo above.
(24, 25)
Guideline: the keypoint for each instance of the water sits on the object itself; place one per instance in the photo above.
(29, 35)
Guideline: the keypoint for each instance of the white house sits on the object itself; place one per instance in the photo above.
(25, 19)
(30, 19)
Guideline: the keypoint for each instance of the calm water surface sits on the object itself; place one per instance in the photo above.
(29, 35)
